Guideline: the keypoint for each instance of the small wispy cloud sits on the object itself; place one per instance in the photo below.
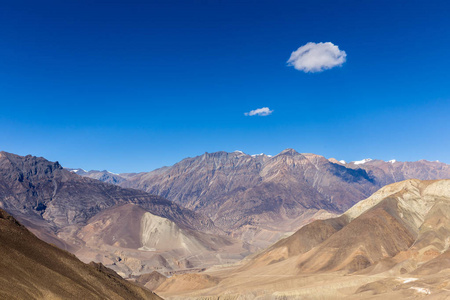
(317, 57)
(263, 111)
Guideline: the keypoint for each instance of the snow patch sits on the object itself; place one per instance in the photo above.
(392, 161)
(255, 155)
(421, 290)
(144, 248)
(342, 161)
(361, 162)
(406, 280)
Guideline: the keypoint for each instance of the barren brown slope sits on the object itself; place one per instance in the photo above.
(404, 225)
(394, 244)
(300, 242)
(406, 216)
(151, 280)
(33, 269)
(374, 235)
(131, 240)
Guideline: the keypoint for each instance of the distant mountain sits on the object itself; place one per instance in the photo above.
(104, 175)
(103, 222)
(387, 172)
(394, 245)
(33, 269)
(258, 197)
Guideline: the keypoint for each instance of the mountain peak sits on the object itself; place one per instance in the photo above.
(363, 161)
(288, 151)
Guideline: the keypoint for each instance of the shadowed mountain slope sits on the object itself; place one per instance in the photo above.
(44, 190)
(33, 269)
(387, 172)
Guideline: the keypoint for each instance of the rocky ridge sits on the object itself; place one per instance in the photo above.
(78, 214)
(258, 198)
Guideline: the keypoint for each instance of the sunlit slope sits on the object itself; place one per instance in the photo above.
(394, 243)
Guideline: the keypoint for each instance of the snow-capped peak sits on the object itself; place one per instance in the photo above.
(261, 154)
(78, 170)
(342, 161)
(255, 155)
(238, 151)
(392, 161)
(361, 162)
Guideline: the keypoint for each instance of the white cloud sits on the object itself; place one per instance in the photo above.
(318, 57)
(263, 111)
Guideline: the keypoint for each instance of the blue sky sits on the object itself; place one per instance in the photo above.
(134, 85)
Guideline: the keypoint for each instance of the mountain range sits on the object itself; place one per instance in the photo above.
(104, 175)
(222, 207)
(258, 198)
(109, 224)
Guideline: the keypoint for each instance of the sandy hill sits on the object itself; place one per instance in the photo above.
(33, 269)
(392, 244)
(134, 241)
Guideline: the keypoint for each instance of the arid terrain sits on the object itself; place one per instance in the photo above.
(394, 244)
(260, 198)
(33, 269)
(127, 230)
